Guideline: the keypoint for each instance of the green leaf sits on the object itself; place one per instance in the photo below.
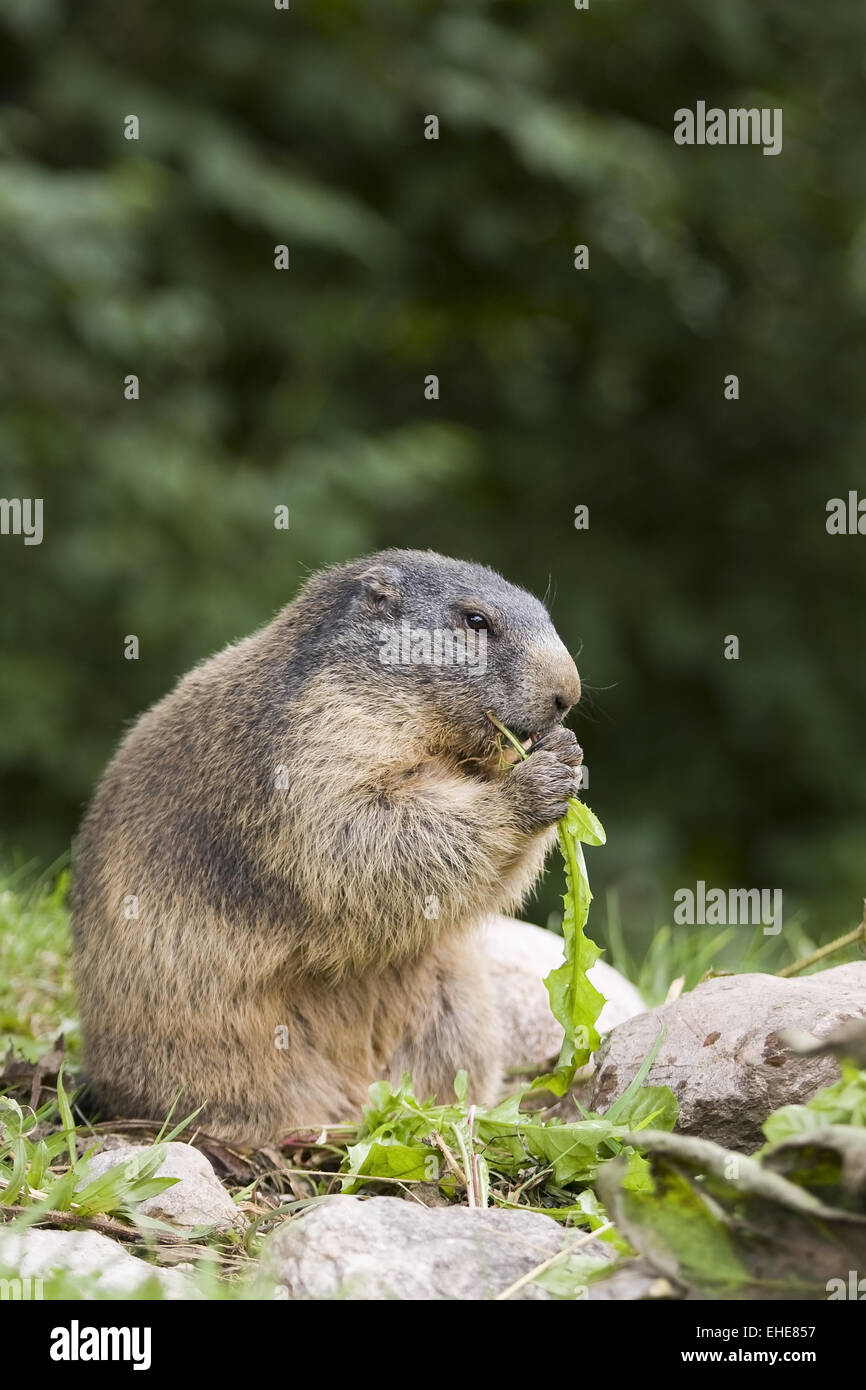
(574, 1000)
(583, 824)
(726, 1224)
(17, 1176)
(638, 1176)
(389, 1158)
(624, 1102)
(569, 1277)
(573, 1150)
(671, 1219)
(843, 1103)
(651, 1105)
(66, 1116)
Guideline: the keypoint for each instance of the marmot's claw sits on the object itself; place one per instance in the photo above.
(563, 744)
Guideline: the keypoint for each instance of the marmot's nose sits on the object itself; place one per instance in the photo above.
(567, 693)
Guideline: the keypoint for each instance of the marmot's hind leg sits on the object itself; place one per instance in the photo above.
(456, 1027)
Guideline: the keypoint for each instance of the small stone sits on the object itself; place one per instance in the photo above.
(198, 1199)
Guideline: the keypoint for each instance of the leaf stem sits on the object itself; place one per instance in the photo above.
(512, 738)
(858, 934)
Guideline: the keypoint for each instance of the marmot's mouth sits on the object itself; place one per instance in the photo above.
(510, 753)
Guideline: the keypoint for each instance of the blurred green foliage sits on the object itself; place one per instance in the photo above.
(37, 1000)
(558, 386)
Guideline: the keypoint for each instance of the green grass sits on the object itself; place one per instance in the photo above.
(37, 998)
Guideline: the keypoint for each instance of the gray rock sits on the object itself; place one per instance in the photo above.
(723, 1053)
(519, 957)
(622, 998)
(198, 1199)
(35, 1254)
(389, 1249)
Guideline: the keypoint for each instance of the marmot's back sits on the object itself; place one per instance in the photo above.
(184, 802)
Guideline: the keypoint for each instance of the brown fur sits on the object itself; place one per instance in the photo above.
(341, 907)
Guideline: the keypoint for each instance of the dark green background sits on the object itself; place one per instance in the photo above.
(558, 387)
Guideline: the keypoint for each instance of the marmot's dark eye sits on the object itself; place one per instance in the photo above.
(476, 621)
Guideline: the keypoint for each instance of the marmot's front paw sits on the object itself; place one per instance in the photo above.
(550, 775)
(563, 743)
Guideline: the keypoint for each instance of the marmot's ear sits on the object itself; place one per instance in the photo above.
(380, 588)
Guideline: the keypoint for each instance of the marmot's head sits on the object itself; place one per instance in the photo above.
(448, 640)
